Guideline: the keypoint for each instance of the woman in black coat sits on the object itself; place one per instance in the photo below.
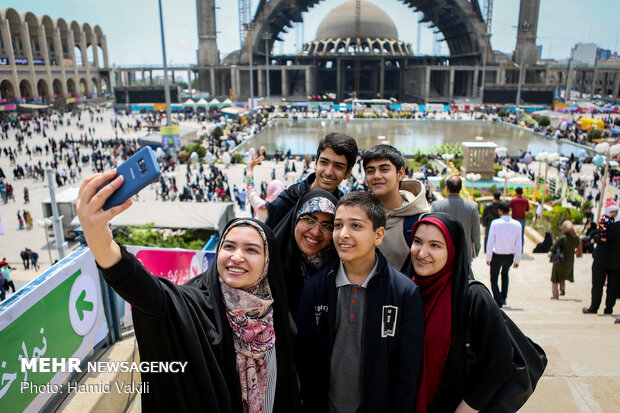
(453, 308)
(229, 325)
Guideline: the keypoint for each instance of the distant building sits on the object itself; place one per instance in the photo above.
(539, 52)
(584, 53)
(604, 54)
(44, 59)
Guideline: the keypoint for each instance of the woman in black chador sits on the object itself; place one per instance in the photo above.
(230, 324)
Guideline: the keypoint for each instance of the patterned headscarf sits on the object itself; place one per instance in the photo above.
(317, 204)
(250, 316)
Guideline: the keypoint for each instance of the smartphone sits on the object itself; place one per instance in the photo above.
(139, 170)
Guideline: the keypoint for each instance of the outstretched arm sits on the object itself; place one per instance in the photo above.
(94, 219)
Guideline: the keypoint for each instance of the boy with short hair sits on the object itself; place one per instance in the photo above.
(404, 200)
(360, 322)
(336, 156)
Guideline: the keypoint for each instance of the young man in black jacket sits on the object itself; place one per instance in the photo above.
(336, 157)
(360, 322)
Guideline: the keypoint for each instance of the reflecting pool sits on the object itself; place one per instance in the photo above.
(302, 136)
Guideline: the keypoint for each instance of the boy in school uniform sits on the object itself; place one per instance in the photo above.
(360, 322)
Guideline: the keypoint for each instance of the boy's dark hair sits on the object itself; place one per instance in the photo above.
(504, 207)
(454, 184)
(384, 152)
(342, 144)
(369, 203)
(519, 190)
(497, 196)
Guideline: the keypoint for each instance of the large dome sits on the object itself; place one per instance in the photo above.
(340, 23)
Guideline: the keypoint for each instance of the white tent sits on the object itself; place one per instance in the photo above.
(189, 103)
(215, 102)
(186, 215)
(202, 102)
(227, 102)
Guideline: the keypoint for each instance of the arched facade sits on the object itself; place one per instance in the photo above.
(44, 58)
(460, 22)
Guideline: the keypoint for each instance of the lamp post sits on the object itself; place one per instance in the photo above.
(249, 26)
(267, 37)
(473, 178)
(608, 151)
(549, 159)
(506, 175)
(166, 84)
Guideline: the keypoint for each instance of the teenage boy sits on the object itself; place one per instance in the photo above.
(360, 322)
(404, 201)
(335, 158)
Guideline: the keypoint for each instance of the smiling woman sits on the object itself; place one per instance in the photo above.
(304, 237)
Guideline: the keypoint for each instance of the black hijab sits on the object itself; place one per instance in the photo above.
(193, 327)
(295, 267)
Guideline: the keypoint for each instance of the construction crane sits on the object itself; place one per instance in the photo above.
(245, 16)
(358, 44)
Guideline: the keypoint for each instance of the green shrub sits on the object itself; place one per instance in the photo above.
(217, 132)
(493, 189)
(594, 134)
(544, 121)
(496, 169)
(146, 235)
(193, 147)
(237, 158)
(502, 113)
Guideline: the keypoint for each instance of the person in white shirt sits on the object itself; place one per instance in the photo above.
(503, 249)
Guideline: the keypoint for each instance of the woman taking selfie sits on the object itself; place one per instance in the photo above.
(440, 267)
(230, 324)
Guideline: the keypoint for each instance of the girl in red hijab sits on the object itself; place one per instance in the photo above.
(439, 265)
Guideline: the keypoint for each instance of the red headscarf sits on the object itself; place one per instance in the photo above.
(437, 296)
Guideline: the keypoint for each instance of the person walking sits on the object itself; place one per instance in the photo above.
(26, 195)
(488, 215)
(503, 250)
(519, 207)
(561, 272)
(6, 273)
(466, 212)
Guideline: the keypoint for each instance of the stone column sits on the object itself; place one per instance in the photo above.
(500, 78)
(427, 84)
(261, 82)
(104, 48)
(151, 77)
(46, 58)
(474, 90)
(451, 84)
(339, 79)
(284, 83)
(309, 82)
(616, 91)
(8, 45)
(382, 78)
(95, 44)
(212, 81)
(71, 48)
(25, 32)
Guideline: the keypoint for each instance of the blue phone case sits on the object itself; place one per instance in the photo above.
(139, 170)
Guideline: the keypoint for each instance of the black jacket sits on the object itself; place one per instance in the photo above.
(605, 252)
(288, 198)
(494, 354)
(390, 365)
(188, 323)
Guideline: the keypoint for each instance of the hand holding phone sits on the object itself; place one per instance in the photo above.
(140, 170)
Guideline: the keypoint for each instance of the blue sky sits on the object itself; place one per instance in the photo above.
(132, 26)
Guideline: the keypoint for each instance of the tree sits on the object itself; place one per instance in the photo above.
(594, 134)
(544, 121)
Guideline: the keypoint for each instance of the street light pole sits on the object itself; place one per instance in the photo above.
(248, 27)
(267, 37)
(166, 84)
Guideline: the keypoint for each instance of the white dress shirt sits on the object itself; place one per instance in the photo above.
(504, 238)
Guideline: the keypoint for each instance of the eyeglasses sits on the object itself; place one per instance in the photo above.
(309, 223)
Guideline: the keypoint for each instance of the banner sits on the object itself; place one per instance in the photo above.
(176, 265)
(59, 315)
(170, 137)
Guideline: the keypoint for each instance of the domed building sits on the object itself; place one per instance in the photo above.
(337, 33)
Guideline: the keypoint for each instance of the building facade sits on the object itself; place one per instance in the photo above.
(44, 59)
